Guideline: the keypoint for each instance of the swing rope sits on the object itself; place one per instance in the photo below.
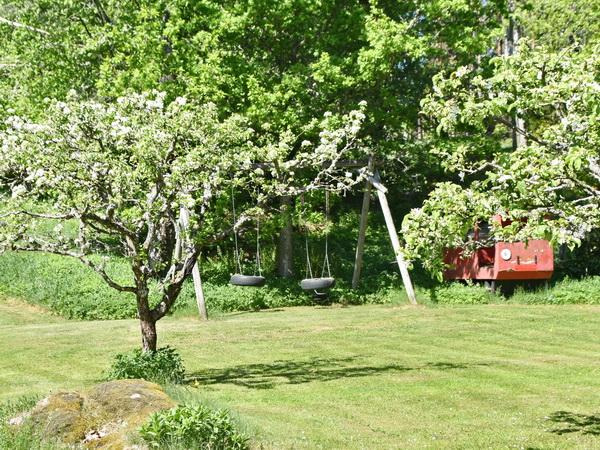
(258, 265)
(258, 262)
(235, 234)
(311, 283)
(326, 266)
(309, 273)
(326, 260)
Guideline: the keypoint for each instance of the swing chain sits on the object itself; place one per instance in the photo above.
(235, 234)
(309, 273)
(327, 214)
(237, 248)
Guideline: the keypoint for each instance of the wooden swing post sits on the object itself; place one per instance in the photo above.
(184, 216)
(381, 191)
(375, 181)
(362, 231)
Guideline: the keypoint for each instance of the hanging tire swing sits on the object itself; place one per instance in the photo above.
(247, 280)
(316, 284)
(311, 283)
(239, 279)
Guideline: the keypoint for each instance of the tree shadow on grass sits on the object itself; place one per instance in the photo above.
(575, 423)
(267, 376)
(261, 311)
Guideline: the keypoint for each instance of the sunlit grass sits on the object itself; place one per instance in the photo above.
(361, 377)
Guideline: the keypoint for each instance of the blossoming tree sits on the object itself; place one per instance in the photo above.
(122, 172)
(554, 175)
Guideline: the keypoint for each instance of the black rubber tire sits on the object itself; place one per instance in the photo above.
(321, 298)
(317, 283)
(247, 280)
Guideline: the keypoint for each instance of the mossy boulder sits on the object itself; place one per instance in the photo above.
(60, 415)
(101, 417)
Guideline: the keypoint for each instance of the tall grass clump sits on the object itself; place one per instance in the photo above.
(224, 298)
(451, 293)
(20, 434)
(66, 286)
(564, 292)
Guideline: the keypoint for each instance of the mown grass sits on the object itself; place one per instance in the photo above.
(357, 377)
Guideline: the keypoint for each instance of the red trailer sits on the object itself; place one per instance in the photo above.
(503, 261)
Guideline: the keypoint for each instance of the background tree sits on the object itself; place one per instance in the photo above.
(279, 65)
(100, 179)
(559, 24)
(556, 174)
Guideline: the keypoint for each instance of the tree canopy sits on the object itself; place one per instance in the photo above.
(115, 116)
(278, 64)
(99, 178)
(555, 175)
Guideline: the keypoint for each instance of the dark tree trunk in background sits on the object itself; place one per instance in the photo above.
(513, 34)
(161, 250)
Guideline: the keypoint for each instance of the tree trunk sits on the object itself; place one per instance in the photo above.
(149, 337)
(513, 34)
(161, 249)
(147, 319)
(285, 260)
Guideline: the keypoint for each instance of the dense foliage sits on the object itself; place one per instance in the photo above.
(116, 118)
(551, 180)
(161, 366)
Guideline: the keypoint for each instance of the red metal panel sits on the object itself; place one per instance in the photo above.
(459, 268)
(533, 261)
(484, 273)
(503, 261)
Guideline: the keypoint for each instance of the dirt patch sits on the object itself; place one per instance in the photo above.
(22, 307)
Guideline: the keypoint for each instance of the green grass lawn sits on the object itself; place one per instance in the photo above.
(491, 376)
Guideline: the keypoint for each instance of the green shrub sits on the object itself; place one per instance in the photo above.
(162, 366)
(192, 427)
(567, 291)
(583, 260)
(456, 293)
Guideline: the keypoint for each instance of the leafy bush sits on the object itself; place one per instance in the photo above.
(567, 291)
(192, 427)
(581, 261)
(162, 366)
(448, 293)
